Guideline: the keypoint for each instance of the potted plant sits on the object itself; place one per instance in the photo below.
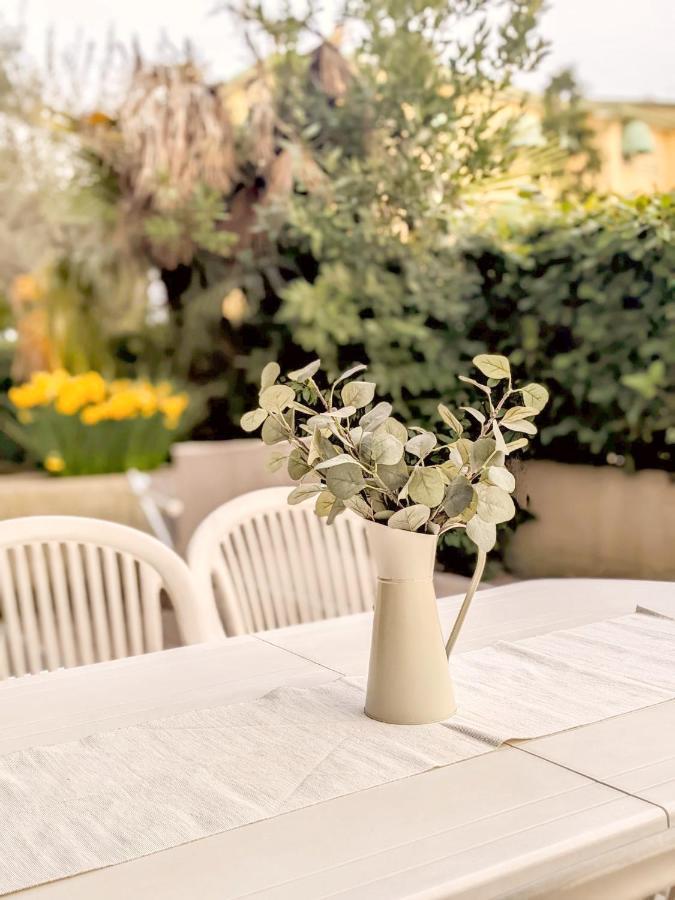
(411, 485)
(85, 425)
(94, 430)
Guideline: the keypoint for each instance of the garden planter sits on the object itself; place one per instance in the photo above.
(98, 496)
(594, 521)
(408, 679)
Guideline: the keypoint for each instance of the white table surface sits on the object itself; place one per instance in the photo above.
(488, 827)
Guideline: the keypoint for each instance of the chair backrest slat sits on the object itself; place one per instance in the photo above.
(44, 606)
(64, 618)
(76, 591)
(132, 605)
(27, 607)
(269, 564)
(11, 618)
(83, 629)
(92, 567)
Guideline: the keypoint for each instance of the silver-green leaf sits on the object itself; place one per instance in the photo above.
(358, 393)
(375, 417)
(458, 496)
(483, 534)
(410, 518)
(277, 397)
(269, 375)
(494, 504)
(421, 444)
(493, 366)
(535, 395)
(385, 449)
(302, 492)
(501, 477)
(450, 419)
(306, 372)
(426, 486)
(253, 419)
(345, 480)
(392, 426)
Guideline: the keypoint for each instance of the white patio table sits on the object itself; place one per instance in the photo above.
(535, 818)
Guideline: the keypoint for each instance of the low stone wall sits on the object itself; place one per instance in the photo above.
(593, 521)
(99, 496)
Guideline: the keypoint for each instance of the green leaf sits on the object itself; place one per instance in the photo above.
(386, 450)
(345, 480)
(494, 504)
(426, 486)
(483, 534)
(375, 417)
(502, 478)
(458, 496)
(523, 425)
(450, 419)
(410, 518)
(476, 413)
(297, 467)
(277, 397)
(302, 492)
(535, 395)
(253, 419)
(269, 375)
(395, 428)
(358, 393)
(307, 372)
(421, 444)
(492, 366)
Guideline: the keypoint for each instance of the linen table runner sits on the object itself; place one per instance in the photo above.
(115, 796)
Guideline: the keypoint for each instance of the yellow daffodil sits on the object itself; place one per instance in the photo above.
(54, 463)
(173, 408)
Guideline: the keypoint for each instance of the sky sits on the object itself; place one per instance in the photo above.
(620, 49)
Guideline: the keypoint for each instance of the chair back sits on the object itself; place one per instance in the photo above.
(267, 564)
(75, 590)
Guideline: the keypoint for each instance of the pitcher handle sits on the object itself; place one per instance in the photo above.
(461, 615)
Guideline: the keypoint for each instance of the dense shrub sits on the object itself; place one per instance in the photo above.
(581, 300)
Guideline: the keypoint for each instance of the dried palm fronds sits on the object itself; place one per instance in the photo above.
(330, 70)
(174, 134)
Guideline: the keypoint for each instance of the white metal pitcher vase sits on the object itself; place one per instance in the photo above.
(409, 678)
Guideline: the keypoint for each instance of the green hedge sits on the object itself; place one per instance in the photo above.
(585, 301)
(581, 301)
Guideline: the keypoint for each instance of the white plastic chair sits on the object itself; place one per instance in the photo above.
(75, 590)
(268, 564)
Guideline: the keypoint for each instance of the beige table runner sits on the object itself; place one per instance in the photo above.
(115, 796)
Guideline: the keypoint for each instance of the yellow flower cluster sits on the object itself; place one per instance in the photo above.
(97, 400)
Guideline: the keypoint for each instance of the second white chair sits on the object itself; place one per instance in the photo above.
(268, 564)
